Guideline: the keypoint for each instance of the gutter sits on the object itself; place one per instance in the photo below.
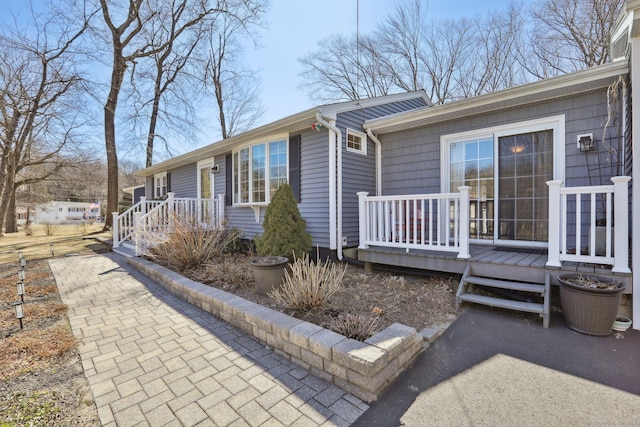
(378, 161)
(335, 185)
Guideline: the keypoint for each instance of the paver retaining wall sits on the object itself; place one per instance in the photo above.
(363, 369)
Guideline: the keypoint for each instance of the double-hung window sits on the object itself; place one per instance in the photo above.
(258, 171)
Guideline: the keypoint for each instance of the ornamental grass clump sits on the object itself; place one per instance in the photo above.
(284, 228)
(190, 242)
(309, 285)
(356, 326)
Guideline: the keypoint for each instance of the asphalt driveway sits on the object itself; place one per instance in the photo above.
(494, 367)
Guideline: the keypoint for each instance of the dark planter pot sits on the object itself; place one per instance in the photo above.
(268, 272)
(590, 311)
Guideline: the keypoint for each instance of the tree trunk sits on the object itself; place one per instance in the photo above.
(119, 67)
(11, 225)
(154, 118)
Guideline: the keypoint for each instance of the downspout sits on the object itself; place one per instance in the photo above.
(378, 161)
(335, 184)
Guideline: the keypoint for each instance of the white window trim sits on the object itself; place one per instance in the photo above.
(204, 163)
(363, 140)
(266, 141)
(555, 123)
(155, 187)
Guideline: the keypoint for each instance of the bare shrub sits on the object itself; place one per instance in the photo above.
(50, 229)
(356, 326)
(28, 231)
(309, 285)
(190, 241)
(83, 228)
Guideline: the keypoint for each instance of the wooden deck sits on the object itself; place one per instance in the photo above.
(488, 261)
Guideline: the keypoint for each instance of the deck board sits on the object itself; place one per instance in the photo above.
(485, 260)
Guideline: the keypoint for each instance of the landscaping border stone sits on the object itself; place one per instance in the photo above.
(363, 369)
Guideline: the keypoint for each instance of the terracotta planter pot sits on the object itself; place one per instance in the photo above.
(587, 310)
(268, 272)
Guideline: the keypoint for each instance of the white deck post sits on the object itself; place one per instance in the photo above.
(553, 252)
(464, 222)
(143, 204)
(137, 232)
(220, 209)
(621, 221)
(170, 209)
(116, 232)
(362, 215)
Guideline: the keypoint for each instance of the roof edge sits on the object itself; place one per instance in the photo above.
(576, 78)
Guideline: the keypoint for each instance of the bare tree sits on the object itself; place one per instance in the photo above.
(233, 85)
(569, 35)
(129, 45)
(490, 63)
(177, 30)
(39, 107)
(401, 38)
(346, 68)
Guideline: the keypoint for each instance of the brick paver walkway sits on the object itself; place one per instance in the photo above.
(153, 359)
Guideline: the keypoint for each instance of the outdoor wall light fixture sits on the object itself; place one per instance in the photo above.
(21, 275)
(20, 289)
(19, 307)
(585, 142)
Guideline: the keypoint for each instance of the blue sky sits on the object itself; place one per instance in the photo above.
(294, 29)
(296, 26)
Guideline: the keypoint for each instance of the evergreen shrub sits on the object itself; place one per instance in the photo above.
(284, 228)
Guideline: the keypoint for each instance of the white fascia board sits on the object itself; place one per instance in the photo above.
(518, 95)
(290, 124)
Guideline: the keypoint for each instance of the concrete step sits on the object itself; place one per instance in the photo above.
(125, 250)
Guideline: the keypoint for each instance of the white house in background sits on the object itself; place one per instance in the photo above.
(59, 212)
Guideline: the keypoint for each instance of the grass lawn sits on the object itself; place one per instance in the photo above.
(42, 382)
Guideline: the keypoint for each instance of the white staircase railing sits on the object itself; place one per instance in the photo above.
(123, 224)
(153, 218)
(438, 222)
(580, 210)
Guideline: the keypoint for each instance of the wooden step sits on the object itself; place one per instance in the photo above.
(503, 303)
(466, 287)
(504, 284)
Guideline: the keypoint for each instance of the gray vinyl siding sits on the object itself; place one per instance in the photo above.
(314, 181)
(184, 181)
(219, 186)
(411, 158)
(358, 170)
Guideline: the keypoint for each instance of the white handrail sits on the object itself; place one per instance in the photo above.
(437, 222)
(157, 221)
(123, 224)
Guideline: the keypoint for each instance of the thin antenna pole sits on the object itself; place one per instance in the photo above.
(358, 49)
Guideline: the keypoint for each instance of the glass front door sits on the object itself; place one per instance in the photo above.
(525, 164)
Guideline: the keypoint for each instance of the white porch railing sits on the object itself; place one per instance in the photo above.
(123, 224)
(436, 222)
(579, 209)
(155, 218)
(440, 222)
